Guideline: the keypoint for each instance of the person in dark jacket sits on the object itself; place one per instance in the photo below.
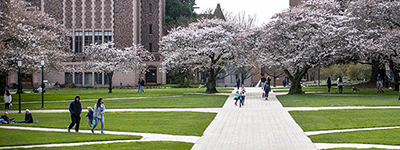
(75, 108)
(237, 83)
(28, 117)
(329, 84)
(4, 118)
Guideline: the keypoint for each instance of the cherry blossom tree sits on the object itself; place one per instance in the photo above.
(209, 45)
(307, 36)
(106, 58)
(28, 34)
(378, 23)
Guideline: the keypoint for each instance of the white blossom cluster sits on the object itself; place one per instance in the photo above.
(30, 35)
(106, 58)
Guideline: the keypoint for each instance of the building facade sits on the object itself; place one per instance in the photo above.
(124, 22)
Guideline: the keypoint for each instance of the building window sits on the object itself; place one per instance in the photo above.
(78, 42)
(98, 78)
(78, 78)
(150, 8)
(150, 47)
(88, 38)
(150, 29)
(107, 36)
(98, 37)
(68, 77)
(105, 79)
(88, 78)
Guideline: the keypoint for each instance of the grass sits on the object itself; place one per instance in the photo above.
(25, 137)
(180, 101)
(175, 123)
(132, 146)
(346, 119)
(367, 97)
(385, 137)
(69, 94)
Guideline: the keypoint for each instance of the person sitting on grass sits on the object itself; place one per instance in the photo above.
(5, 120)
(28, 117)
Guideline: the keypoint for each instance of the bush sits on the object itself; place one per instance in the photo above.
(67, 85)
(359, 71)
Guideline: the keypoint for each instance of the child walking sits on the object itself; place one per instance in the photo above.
(237, 95)
(90, 115)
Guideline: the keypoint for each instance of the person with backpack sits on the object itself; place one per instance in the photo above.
(267, 89)
(263, 79)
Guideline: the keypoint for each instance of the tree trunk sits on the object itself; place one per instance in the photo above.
(3, 81)
(211, 85)
(110, 75)
(295, 87)
(374, 72)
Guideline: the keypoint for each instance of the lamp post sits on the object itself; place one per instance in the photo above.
(19, 83)
(42, 64)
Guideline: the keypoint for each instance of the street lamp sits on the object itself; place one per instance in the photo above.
(19, 83)
(42, 64)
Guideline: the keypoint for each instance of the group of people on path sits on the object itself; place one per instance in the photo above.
(95, 115)
(240, 96)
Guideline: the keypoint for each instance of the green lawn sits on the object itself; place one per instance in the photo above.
(385, 137)
(175, 123)
(12, 137)
(181, 101)
(367, 97)
(131, 146)
(346, 119)
(91, 93)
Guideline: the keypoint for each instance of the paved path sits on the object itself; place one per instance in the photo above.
(260, 124)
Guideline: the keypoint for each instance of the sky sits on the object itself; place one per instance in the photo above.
(263, 9)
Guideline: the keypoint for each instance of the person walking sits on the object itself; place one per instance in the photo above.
(284, 82)
(243, 92)
(90, 115)
(238, 83)
(236, 98)
(329, 84)
(98, 114)
(267, 89)
(7, 99)
(263, 79)
(340, 85)
(337, 83)
(75, 108)
(141, 85)
(269, 80)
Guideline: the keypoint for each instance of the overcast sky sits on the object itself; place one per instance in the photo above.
(264, 9)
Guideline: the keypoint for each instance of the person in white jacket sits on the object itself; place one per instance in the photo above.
(7, 99)
(243, 92)
(98, 114)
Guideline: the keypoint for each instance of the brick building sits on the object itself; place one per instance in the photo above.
(98, 21)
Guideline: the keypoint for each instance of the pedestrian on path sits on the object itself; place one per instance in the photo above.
(263, 79)
(267, 89)
(141, 85)
(238, 83)
(243, 93)
(329, 84)
(7, 99)
(236, 98)
(340, 84)
(90, 115)
(99, 110)
(75, 108)
(28, 117)
(241, 100)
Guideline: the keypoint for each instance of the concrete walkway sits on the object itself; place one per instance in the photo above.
(260, 124)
